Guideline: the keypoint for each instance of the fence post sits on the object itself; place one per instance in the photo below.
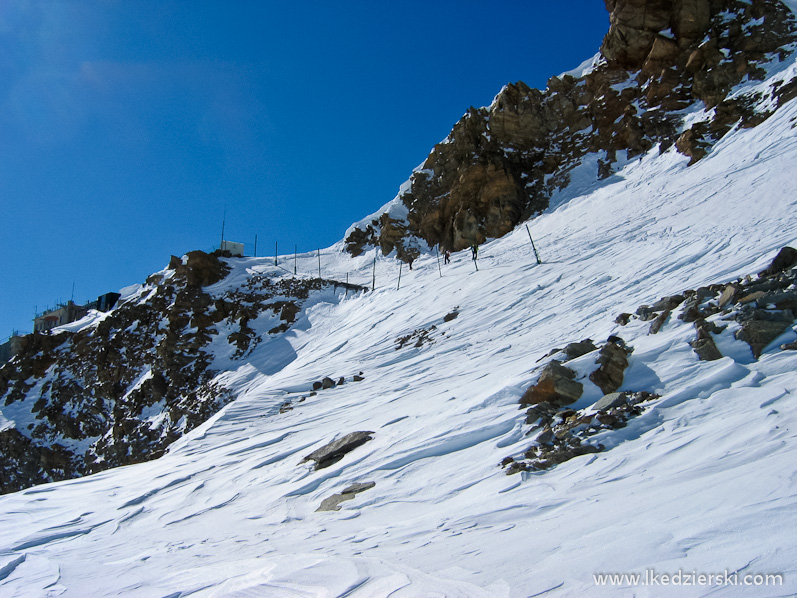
(536, 255)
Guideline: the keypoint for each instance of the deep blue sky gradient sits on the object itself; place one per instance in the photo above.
(126, 126)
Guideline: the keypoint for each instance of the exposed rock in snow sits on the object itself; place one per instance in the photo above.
(331, 453)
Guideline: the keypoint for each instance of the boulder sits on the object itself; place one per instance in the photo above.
(659, 322)
(706, 349)
(556, 385)
(786, 258)
(761, 327)
(326, 383)
(613, 359)
(623, 319)
(331, 453)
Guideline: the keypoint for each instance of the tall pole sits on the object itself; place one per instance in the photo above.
(295, 257)
(255, 246)
(536, 255)
(439, 269)
(373, 283)
(319, 263)
(276, 253)
(399, 280)
(346, 293)
(223, 222)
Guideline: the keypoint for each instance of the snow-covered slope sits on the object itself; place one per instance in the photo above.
(701, 482)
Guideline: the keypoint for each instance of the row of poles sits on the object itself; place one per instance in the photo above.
(373, 278)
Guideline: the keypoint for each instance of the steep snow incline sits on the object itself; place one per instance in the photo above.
(703, 481)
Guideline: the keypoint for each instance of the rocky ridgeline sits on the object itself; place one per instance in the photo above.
(759, 308)
(500, 164)
(123, 389)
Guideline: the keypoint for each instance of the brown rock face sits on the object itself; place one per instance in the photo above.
(501, 164)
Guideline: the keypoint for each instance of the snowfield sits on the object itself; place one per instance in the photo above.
(703, 482)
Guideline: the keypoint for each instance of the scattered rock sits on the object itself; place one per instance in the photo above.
(358, 377)
(704, 344)
(327, 383)
(331, 502)
(451, 316)
(574, 350)
(659, 322)
(556, 385)
(614, 399)
(562, 432)
(421, 336)
(728, 295)
(331, 453)
(623, 319)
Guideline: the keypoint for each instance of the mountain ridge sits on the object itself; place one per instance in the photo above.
(500, 164)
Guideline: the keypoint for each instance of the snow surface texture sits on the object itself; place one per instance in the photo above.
(703, 481)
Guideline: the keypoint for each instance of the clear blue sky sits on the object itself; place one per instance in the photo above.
(127, 125)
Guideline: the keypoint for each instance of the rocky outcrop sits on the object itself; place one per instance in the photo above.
(562, 434)
(760, 308)
(500, 164)
(763, 305)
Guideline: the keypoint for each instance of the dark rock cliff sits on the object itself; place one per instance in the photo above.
(500, 164)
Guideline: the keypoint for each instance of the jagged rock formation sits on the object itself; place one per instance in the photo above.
(500, 164)
(120, 391)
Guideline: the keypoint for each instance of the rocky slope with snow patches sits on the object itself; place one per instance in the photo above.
(397, 485)
(118, 388)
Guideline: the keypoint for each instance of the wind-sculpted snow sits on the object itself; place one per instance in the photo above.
(701, 480)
